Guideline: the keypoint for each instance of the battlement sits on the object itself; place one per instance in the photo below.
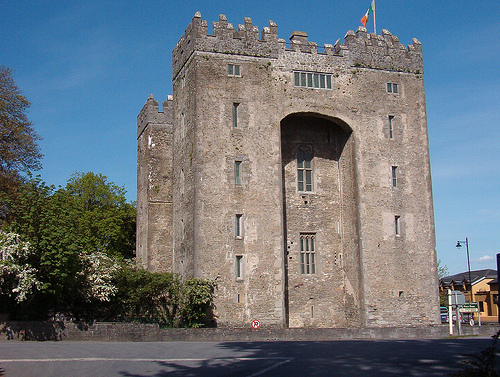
(150, 114)
(360, 49)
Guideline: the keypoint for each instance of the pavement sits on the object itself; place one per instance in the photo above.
(360, 358)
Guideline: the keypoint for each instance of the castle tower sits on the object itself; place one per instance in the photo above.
(299, 178)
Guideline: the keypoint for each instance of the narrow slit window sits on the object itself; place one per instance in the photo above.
(391, 127)
(237, 173)
(394, 175)
(239, 267)
(235, 114)
(397, 225)
(238, 226)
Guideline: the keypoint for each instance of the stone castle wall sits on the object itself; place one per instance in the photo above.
(367, 275)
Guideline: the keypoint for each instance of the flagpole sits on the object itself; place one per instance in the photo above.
(374, 19)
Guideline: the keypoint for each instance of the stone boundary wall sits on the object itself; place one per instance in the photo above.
(135, 332)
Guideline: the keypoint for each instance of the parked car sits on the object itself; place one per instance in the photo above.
(444, 314)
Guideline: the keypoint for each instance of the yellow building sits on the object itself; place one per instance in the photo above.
(484, 290)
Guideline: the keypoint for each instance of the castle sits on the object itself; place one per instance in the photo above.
(296, 176)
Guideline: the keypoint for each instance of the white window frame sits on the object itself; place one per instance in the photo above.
(308, 253)
(313, 80)
(392, 87)
(305, 169)
(234, 70)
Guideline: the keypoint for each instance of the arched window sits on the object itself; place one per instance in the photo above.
(304, 169)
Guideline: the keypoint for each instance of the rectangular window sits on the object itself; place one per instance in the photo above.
(304, 169)
(237, 173)
(308, 253)
(391, 127)
(328, 81)
(394, 176)
(235, 114)
(303, 79)
(233, 70)
(239, 267)
(313, 80)
(392, 88)
(238, 226)
(397, 225)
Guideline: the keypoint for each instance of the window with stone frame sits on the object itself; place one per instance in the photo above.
(313, 80)
(394, 176)
(304, 169)
(392, 88)
(235, 114)
(237, 173)
(391, 126)
(239, 267)
(308, 253)
(397, 225)
(238, 226)
(233, 70)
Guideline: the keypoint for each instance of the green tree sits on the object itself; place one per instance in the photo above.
(19, 151)
(105, 221)
(77, 232)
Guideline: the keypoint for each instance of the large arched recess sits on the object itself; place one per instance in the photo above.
(326, 294)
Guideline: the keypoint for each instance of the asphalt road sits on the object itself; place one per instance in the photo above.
(436, 357)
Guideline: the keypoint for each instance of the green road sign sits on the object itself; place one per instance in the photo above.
(469, 307)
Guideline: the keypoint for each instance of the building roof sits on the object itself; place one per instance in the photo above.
(464, 277)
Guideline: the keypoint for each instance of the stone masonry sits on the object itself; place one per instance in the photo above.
(296, 176)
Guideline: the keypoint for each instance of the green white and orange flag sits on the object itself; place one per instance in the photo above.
(364, 20)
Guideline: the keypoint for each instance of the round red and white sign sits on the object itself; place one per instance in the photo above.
(255, 324)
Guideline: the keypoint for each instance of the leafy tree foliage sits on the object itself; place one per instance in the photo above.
(105, 221)
(70, 256)
(74, 231)
(197, 301)
(19, 151)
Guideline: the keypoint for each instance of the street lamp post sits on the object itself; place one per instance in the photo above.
(459, 245)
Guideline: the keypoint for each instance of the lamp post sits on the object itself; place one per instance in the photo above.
(459, 245)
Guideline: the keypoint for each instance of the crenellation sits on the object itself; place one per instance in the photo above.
(360, 48)
(149, 114)
(222, 29)
(328, 49)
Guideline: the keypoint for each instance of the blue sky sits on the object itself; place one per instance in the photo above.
(88, 67)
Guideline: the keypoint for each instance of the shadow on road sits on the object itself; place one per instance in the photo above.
(436, 357)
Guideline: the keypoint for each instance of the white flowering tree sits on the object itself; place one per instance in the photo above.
(99, 273)
(17, 276)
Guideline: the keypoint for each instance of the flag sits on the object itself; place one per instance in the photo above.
(364, 20)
